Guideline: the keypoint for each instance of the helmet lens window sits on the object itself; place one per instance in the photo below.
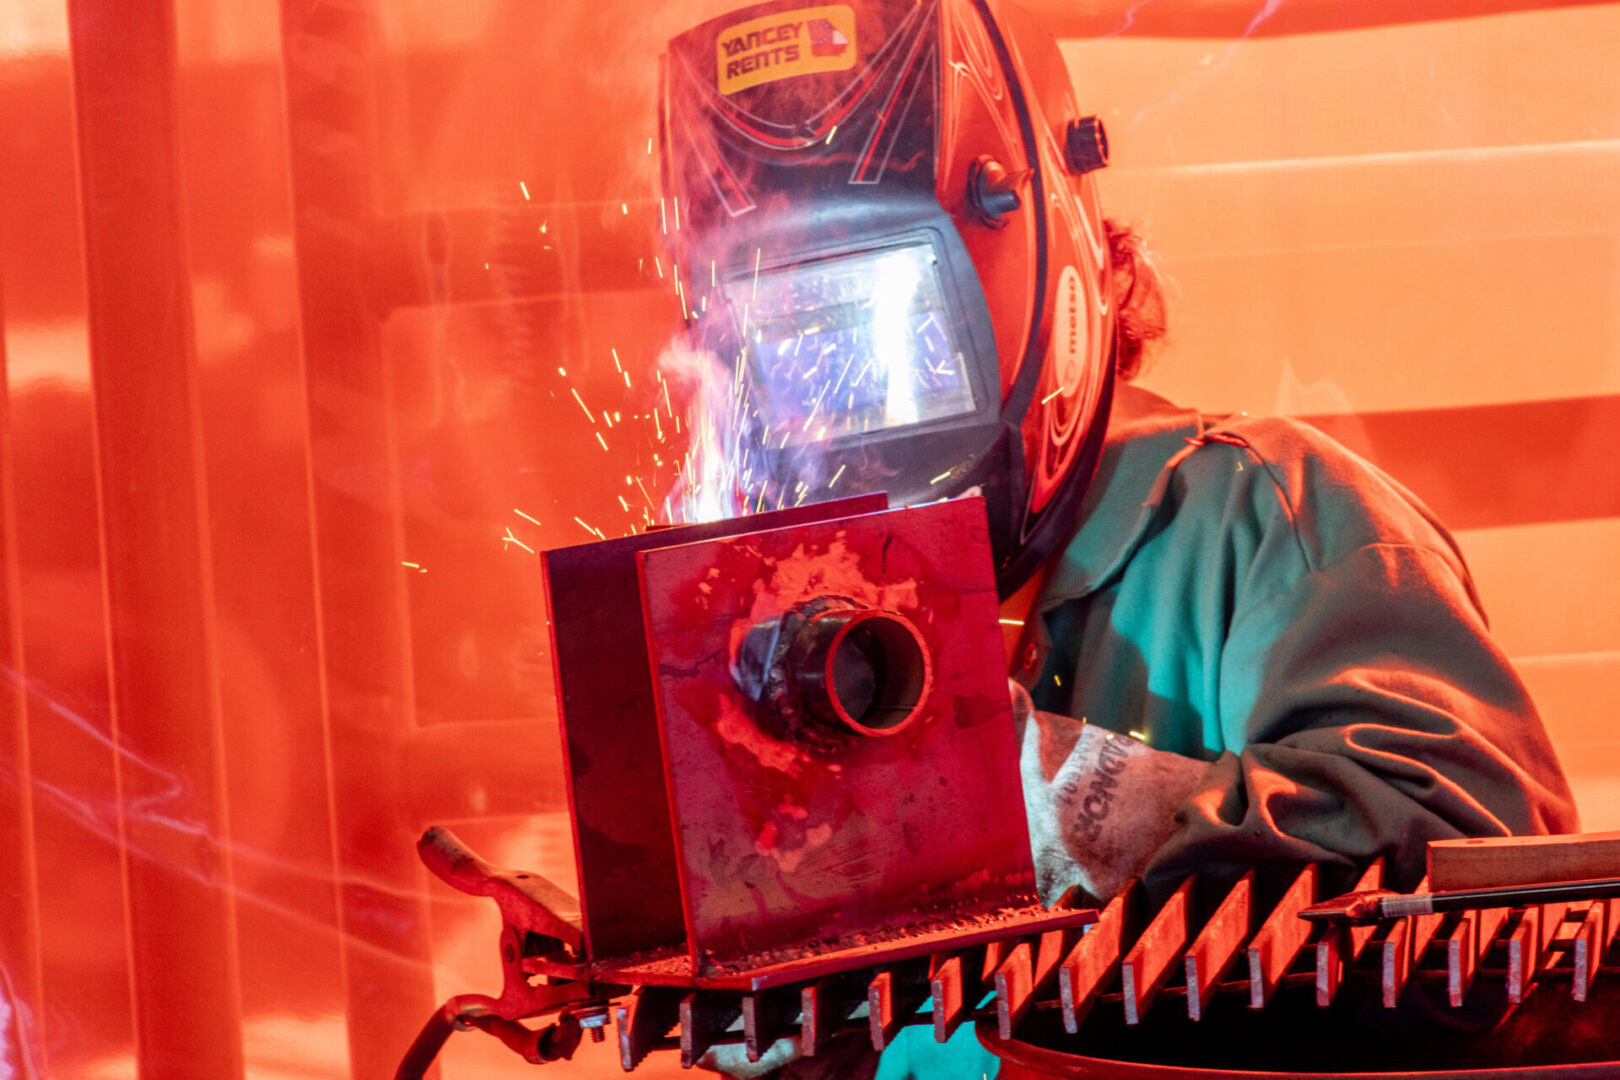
(851, 344)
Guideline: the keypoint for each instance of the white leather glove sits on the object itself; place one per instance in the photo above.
(731, 1059)
(1099, 804)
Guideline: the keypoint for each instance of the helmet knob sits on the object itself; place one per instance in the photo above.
(992, 192)
(1086, 147)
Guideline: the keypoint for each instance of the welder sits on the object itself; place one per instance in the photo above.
(1241, 646)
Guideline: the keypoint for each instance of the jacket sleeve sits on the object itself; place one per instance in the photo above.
(1373, 713)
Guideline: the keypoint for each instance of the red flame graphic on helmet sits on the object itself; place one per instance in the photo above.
(825, 38)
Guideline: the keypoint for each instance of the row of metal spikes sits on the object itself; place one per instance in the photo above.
(1080, 968)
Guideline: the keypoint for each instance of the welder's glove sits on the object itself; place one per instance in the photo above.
(730, 1059)
(1099, 804)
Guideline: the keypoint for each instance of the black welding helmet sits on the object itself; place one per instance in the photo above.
(885, 230)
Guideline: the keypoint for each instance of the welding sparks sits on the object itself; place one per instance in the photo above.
(830, 134)
(414, 566)
(581, 401)
(524, 516)
(601, 440)
(836, 475)
(594, 532)
(1011, 622)
(757, 253)
(1052, 395)
(510, 539)
(525, 188)
(940, 477)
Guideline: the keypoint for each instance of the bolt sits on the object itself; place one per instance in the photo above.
(594, 1019)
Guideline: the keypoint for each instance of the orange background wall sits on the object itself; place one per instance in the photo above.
(294, 302)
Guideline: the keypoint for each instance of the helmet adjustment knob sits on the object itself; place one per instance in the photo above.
(1086, 145)
(992, 191)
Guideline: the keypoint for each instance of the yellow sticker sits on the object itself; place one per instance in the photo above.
(800, 42)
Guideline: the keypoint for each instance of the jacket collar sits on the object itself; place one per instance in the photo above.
(1147, 438)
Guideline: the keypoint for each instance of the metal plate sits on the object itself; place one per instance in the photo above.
(624, 845)
(782, 845)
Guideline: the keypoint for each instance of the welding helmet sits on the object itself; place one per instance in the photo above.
(886, 231)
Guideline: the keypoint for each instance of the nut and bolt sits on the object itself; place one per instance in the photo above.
(594, 1020)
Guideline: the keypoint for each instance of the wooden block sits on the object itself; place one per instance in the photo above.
(1218, 944)
(1146, 966)
(1522, 860)
(1280, 938)
(1094, 959)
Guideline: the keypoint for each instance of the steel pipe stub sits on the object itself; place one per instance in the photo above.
(831, 671)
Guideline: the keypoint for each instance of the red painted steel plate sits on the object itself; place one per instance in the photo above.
(780, 844)
(624, 845)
